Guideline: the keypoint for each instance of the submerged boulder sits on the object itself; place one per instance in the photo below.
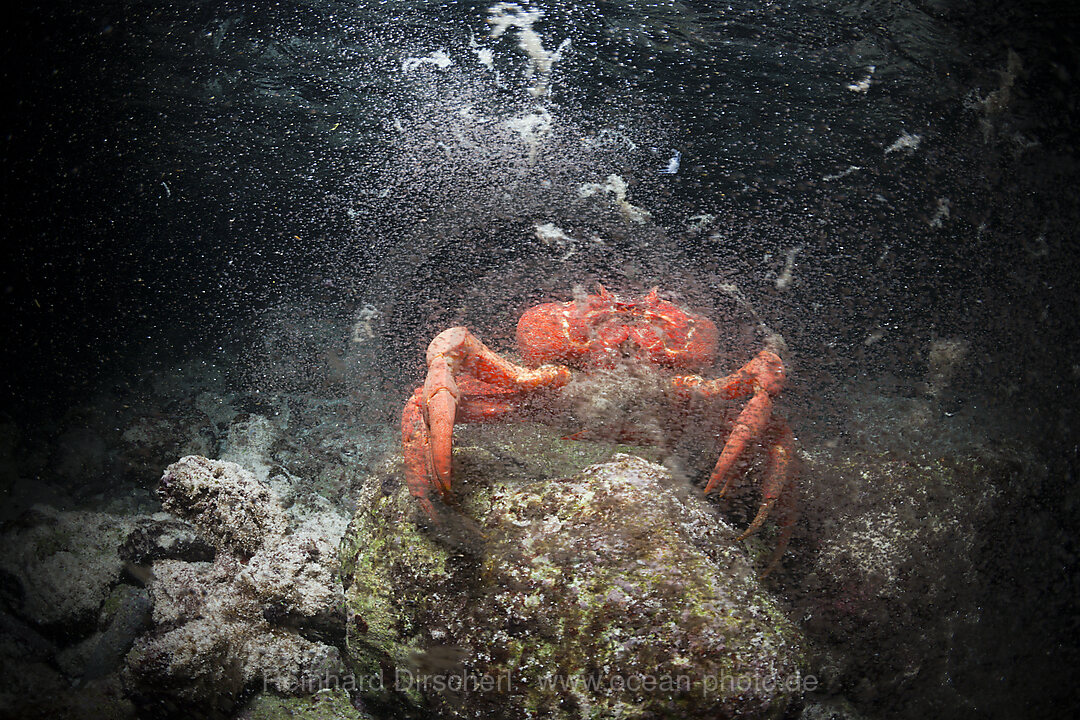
(226, 503)
(59, 566)
(330, 704)
(212, 640)
(264, 612)
(908, 560)
(614, 593)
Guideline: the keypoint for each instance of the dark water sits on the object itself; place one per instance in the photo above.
(179, 167)
(181, 176)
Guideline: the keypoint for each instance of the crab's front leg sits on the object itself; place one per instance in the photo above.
(458, 365)
(762, 379)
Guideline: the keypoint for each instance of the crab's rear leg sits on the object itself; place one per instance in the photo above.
(782, 481)
(762, 378)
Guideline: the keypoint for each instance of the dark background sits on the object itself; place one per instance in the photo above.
(142, 209)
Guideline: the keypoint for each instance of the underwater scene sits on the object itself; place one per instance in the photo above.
(404, 360)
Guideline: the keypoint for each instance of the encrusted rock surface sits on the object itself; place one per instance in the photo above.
(213, 641)
(62, 564)
(331, 704)
(614, 593)
(896, 555)
(257, 615)
(162, 536)
(299, 575)
(55, 699)
(59, 580)
(225, 502)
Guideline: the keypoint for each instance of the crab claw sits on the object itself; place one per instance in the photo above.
(486, 389)
(441, 395)
(427, 432)
(416, 449)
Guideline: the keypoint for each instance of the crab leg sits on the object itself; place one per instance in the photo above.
(416, 448)
(427, 424)
(763, 378)
(748, 426)
(788, 504)
(416, 439)
(776, 479)
(440, 399)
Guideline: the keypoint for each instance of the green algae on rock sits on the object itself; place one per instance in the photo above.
(613, 593)
(330, 704)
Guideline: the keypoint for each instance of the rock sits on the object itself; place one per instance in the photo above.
(151, 440)
(298, 347)
(27, 683)
(61, 570)
(249, 444)
(614, 593)
(226, 504)
(899, 558)
(191, 667)
(903, 515)
(313, 514)
(331, 704)
(20, 641)
(830, 709)
(163, 536)
(102, 653)
(24, 671)
(100, 700)
(263, 613)
(64, 564)
(81, 454)
(213, 640)
(297, 577)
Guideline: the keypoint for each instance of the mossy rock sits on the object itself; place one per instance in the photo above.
(328, 704)
(617, 592)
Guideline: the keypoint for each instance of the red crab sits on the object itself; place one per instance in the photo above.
(574, 342)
